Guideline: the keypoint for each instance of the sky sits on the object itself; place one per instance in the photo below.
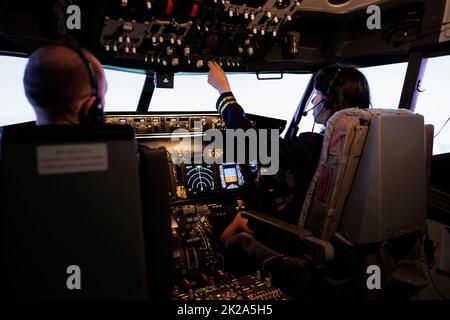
(271, 98)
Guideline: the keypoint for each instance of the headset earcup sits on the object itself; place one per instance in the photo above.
(93, 116)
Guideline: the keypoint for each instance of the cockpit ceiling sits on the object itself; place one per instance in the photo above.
(259, 35)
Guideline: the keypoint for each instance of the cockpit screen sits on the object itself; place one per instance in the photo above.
(231, 176)
(199, 179)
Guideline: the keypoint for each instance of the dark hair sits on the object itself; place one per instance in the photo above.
(344, 87)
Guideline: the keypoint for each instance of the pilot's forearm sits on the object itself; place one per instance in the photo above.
(232, 113)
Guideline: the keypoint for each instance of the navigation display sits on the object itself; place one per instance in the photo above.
(199, 179)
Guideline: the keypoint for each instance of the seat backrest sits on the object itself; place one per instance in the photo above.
(342, 147)
(369, 185)
(71, 197)
(388, 197)
(155, 189)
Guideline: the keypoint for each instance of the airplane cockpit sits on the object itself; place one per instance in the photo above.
(142, 197)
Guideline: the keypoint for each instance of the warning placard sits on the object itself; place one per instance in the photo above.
(72, 158)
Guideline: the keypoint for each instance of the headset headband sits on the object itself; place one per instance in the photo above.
(89, 67)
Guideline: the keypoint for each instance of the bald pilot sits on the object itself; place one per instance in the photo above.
(63, 86)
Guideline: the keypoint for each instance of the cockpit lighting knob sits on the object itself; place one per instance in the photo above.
(199, 63)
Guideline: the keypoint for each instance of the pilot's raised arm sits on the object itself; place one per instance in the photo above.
(304, 150)
(232, 113)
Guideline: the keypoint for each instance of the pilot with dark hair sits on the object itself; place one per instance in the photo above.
(58, 85)
(336, 88)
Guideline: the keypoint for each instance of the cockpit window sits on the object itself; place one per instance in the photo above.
(14, 106)
(270, 98)
(434, 104)
(124, 90)
(386, 84)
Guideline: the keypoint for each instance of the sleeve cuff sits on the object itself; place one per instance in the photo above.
(225, 100)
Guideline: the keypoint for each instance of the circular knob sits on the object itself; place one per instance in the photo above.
(169, 51)
(187, 51)
(250, 51)
(199, 63)
(175, 62)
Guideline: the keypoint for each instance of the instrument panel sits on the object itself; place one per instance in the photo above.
(187, 33)
(148, 125)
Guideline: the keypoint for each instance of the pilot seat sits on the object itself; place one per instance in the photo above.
(362, 225)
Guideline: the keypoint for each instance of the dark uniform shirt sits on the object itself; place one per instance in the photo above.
(300, 155)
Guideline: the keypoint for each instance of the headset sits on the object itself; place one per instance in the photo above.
(324, 99)
(94, 115)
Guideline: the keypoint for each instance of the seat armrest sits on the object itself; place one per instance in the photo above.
(280, 225)
(318, 251)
